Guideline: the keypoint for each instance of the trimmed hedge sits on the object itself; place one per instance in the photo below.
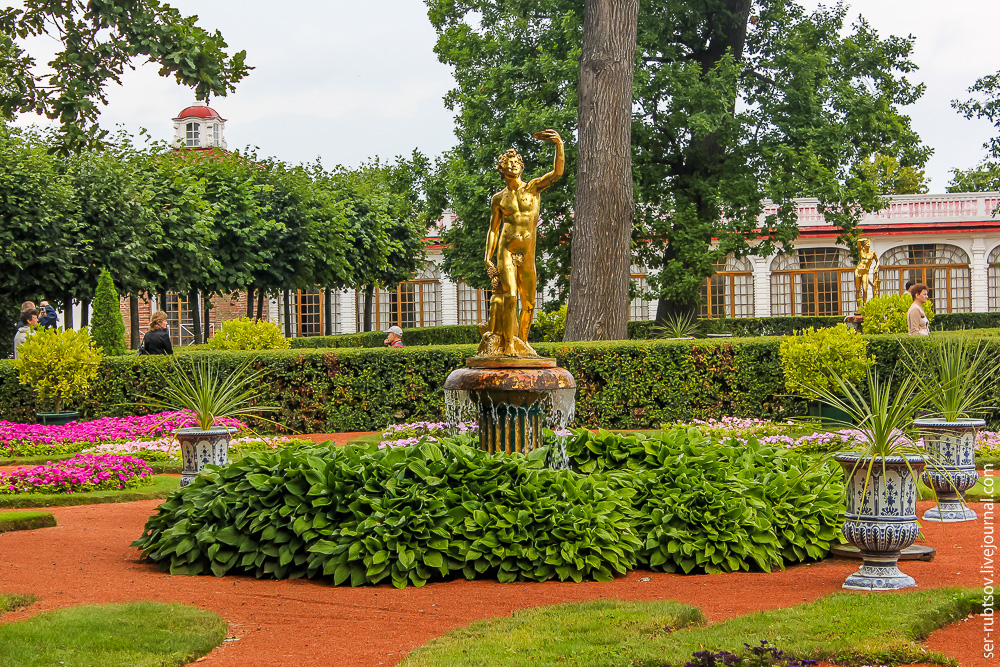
(460, 334)
(628, 384)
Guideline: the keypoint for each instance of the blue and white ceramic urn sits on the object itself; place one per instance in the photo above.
(881, 517)
(952, 446)
(201, 448)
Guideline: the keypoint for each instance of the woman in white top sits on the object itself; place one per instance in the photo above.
(916, 318)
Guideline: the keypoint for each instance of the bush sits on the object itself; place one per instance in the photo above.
(887, 314)
(58, 365)
(805, 359)
(550, 327)
(247, 333)
(434, 510)
(108, 327)
(445, 335)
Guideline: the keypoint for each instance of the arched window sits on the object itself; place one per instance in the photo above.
(729, 292)
(812, 281)
(414, 303)
(193, 136)
(993, 279)
(638, 308)
(944, 268)
(473, 304)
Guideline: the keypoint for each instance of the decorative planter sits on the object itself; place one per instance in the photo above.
(881, 518)
(201, 448)
(56, 418)
(952, 444)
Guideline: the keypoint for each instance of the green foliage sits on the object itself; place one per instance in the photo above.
(463, 334)
(985, 104)
(808, 359)
(890, 177)
(96, 42)
(108, 327)
(677, 325)
(247, 333)
(29, 520)
(11, 602)
(887, 313)
(983, 178)
(551, 326)
(209, 392)
(58, 365)
(960, 380)
(433, 510)
(136, 634)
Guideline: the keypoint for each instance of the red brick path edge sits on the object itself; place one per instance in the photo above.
(87, 559)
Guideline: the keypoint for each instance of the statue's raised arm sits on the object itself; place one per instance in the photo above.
(548, 179)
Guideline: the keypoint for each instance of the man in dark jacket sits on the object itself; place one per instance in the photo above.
(47, 315)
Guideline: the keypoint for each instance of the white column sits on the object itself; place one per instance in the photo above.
(979, 270)
(449, 301)
(761, 286)
(348, 312)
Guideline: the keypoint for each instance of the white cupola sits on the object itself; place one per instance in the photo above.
(199, 126)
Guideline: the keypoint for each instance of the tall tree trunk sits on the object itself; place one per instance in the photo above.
(133, 321)
(260, 304)
(327, 312)
(287, 297)
(369, 300)
(250, 302)
(207, 299)
(604, 208)
(195, 309)
(84, 313)
(68, 311)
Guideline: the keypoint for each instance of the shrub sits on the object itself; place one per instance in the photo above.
(467, 334)
(805, 358)
(550, 327)
(58, 365)
(887, 314)
(248, 334)
(108, 327)
(433, 510)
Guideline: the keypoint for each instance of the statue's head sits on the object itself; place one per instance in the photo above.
(510, 163)
(864, 244)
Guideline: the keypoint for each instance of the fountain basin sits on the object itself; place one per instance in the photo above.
(512, 399)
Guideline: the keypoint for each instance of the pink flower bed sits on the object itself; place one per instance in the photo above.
(22, 439)
(84, 472)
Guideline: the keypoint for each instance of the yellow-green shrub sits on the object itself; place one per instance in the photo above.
(248, 334)
(551, 326)
(806, 358)
(58, 365)
(887, 314)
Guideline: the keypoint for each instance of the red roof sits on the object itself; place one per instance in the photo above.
(198, 111)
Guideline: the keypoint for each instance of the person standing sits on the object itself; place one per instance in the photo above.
(29, 318)
(47, 315)
(395, 337)
(916, 318)
(157, 339)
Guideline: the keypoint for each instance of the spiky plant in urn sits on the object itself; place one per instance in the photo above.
(511, 390)
(958, 380)
(212, 393)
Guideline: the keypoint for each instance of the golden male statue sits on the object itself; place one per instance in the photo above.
(866, 273)
(510, 253)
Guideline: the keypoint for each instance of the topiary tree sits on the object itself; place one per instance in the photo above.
(108, 327)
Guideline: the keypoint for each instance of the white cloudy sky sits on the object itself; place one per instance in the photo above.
(344, 81)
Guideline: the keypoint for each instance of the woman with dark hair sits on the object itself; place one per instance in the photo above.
(916, 318)
(157, 339)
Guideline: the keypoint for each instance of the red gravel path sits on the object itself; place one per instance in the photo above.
(87, 558)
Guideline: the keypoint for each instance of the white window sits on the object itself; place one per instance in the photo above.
(193, 137)
(215, 134)
(942, 267)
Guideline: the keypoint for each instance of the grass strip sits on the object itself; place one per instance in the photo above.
(976, 494)
(161, 487)
(138, 634)
(13, 601)
(25, 521)
(35, 460)
(843, 628)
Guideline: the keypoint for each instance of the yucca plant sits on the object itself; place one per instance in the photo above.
(960, 379)
(677, 325)
(210, 392)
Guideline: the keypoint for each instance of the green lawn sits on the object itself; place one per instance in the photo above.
(845, 628)
(34, 460)
(25, 520)
(13, 602)
(161, 487)
(974, 495)
(139, 634)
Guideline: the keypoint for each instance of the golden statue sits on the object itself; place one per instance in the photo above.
(866, 272)
(510, 253)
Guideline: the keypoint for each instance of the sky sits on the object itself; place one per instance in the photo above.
(347, 81)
